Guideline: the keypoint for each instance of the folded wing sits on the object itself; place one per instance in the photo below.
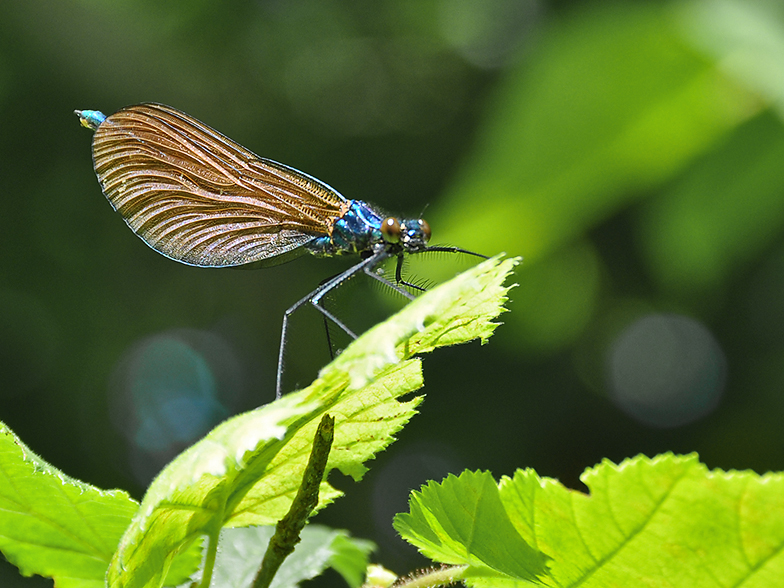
(200, 198)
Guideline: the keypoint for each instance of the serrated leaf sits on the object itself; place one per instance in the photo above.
(53, 525)
(666, 521)
(662, 522)
(247, 470)
(455, 312)
(462, 521)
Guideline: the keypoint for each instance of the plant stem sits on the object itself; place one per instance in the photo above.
(289, 527)
(432, 578)
(209, 562)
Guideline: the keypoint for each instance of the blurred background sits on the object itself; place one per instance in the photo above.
(631, 152)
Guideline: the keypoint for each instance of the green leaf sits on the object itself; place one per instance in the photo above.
(746, 39)
(185, 564)
(611, 102)
(454, 312)
(53, 525)
(462, 521)
(662, 522)
(666, 521)
(727, 210)
(723, 213)
(247, 470)
(241, 550)
(350, 558)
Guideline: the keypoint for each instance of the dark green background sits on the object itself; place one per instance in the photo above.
(632, 153)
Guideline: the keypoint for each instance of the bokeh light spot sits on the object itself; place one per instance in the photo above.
(486, 32)
(171, 388)
(666, 370)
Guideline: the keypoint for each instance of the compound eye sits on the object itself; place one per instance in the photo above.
(425, 228)
(391, 230)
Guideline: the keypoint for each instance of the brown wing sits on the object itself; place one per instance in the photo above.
(198, 197)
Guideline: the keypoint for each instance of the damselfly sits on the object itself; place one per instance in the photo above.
(200, 198)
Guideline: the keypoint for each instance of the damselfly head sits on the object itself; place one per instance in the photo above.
(411, 234)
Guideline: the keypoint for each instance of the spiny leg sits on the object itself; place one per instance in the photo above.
(399, 275)
(450, 249)
(315, 298)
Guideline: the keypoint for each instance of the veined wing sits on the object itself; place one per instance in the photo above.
(198, 197)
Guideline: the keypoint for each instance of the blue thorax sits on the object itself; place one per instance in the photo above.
(356, 231)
